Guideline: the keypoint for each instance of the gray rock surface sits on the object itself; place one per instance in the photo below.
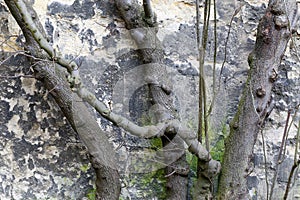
(41, 156)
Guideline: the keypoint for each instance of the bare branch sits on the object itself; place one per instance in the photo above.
(280, 154)
(265, 162)
(78, 87)
(296, 160)
(40, 39)
(74, 109)
(17, 76)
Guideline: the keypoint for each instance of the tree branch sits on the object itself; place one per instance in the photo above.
(66, 100)
(80, 89)
(151, 52)
(75, 110)
(149, 15)
(296, 162)
(273, 34)
(39, 37)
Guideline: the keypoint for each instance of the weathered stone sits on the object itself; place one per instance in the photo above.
(40, 154)
(42, 157)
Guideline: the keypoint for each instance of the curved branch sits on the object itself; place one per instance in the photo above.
(39, 37)
(76, 112)
(75, 81)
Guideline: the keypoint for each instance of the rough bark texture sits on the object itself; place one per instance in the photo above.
(82, 121)
(102, 155)
(273, 34)
(74, 110)
(93, 31)
(150, 50)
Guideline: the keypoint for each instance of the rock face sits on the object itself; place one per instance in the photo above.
(41, 156)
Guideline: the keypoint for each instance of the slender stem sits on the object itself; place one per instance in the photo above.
(200, 112)
(297, 143)
(296, 162)
(280, 154)
(227, 39)
(197, 24)
(200, 99)
(203, 79)
(216, 88)
(284, 138)
(215, 57)
(265, 160)
(215, 46)
(294, 167)
(292, 122)
(203, 118)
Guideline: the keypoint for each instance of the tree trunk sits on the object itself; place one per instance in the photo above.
(74, 109)
(273, 34)
(142, 26)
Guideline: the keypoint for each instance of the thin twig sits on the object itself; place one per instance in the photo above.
(279, 160)
(265, 161)
(203, 118)
(205, 38)
(290, 125)
(216, 88)
(295, 165)
(215, 59)
(227, 39)
(202, 115)
(17, 76)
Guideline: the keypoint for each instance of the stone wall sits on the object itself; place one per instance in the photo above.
(41, 157)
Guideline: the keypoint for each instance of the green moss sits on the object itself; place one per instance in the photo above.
(217, 152)
(156, 143)
(218, 149)
(148, 185)
(91, 195)
(84, 168)
(156, 181)
(152, 184)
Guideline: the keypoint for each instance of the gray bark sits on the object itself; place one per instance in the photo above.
(74, 109)
(151, 52)
(70, 99)
(143, 31)
(273, 34)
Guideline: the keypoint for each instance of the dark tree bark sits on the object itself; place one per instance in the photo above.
(273, 34)
(74, 109)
